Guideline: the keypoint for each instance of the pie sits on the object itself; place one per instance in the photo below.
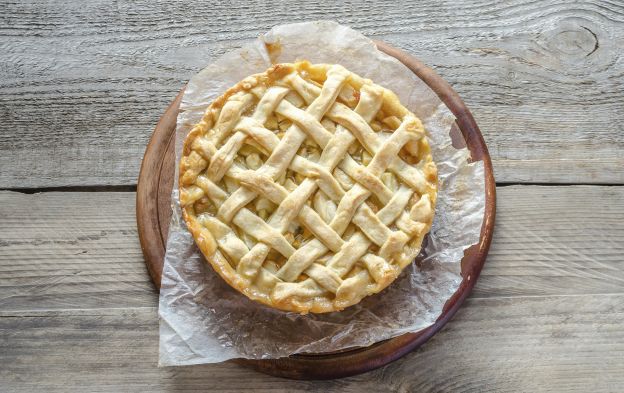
(307, 187)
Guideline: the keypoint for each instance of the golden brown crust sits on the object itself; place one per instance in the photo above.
(226, 191)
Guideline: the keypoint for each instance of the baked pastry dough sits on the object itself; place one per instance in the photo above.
(308, 187)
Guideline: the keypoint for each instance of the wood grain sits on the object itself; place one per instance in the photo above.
(65, 250)
(556, 241)
(153, 197)
(83, 84)
(549, 241)
(561, 343)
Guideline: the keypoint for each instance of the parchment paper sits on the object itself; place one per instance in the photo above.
(203, 320)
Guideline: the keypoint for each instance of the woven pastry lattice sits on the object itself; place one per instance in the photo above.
(308, 187)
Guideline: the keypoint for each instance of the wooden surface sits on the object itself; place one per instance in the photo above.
(98, 75)
(547, 312)
(156, 179)
(82, 85)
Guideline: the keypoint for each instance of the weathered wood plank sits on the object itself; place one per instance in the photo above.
(71, 250)
(556, 241)
(561, 343)
(83, 84)
(79, 250)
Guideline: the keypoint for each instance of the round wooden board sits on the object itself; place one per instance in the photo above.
(154, 211)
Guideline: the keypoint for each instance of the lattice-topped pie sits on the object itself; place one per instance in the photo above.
(308, 187)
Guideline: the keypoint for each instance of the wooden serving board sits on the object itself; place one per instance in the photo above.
(154, 211)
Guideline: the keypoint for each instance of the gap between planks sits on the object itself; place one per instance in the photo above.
(133, 188)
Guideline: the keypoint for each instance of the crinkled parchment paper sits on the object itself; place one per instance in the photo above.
(203, 320)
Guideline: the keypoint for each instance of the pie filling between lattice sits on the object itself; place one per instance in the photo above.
(308, 187)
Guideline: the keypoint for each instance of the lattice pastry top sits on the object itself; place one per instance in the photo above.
(308, 187)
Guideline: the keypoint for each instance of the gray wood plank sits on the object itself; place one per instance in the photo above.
(552, 240)
(79, 250)
(83, 84)
(71, 250)
(555, 343)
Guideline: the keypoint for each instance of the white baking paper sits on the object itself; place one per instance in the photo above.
(203, 320)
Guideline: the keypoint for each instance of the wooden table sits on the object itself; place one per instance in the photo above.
(82, 85)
